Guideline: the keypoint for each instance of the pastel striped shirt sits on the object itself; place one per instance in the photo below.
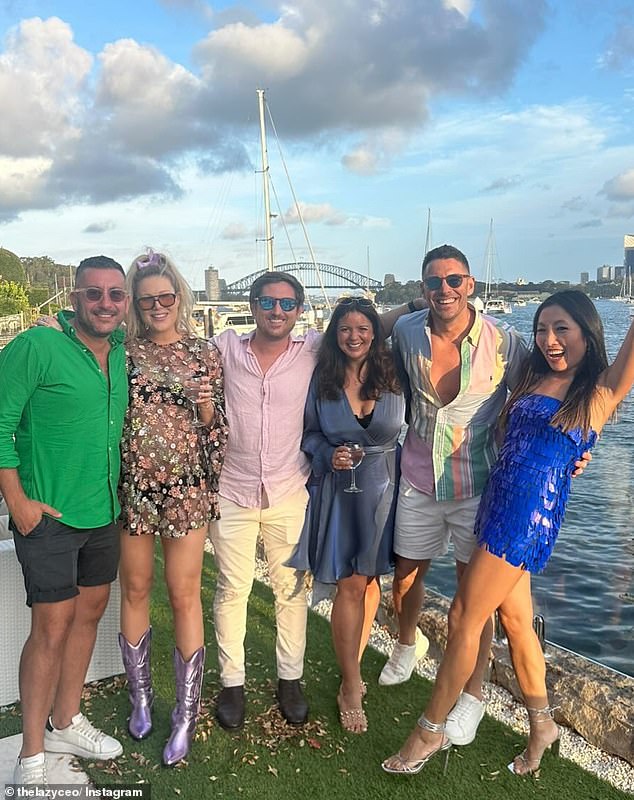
(449, 449)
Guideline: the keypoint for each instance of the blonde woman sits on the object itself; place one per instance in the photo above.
(169, 479)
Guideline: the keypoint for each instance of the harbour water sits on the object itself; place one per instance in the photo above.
(586, 593)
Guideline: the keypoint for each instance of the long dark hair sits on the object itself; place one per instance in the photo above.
(380, 374)
(575, 409)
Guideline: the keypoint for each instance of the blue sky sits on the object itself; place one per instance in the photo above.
(126, 125)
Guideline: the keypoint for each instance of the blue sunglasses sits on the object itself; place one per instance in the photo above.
(267, 303)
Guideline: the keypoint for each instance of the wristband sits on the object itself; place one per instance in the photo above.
(412, 306)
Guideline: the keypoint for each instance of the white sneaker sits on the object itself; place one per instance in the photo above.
(81, 738)
(31, 771)
(463, 719)
(404, 658)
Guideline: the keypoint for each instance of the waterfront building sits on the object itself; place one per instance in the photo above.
(628, 247)
(603, 274)
(212, 284)
(585, 277)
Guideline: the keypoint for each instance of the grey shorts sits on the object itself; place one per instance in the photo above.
(424, 526)
(56, 559)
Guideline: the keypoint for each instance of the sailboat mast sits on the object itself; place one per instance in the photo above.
(428, 237)
(268, 236)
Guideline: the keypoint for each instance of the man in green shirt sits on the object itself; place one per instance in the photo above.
(62, 403)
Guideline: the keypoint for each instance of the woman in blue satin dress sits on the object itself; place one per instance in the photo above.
(347, 539)
(567, 395)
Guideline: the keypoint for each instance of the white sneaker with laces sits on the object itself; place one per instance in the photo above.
(81, 738)
(404, 658)
(463, 719)
(31, 771)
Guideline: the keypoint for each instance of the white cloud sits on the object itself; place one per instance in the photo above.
(620, 188)
(327, 214)
(235, 231)
(42, 73)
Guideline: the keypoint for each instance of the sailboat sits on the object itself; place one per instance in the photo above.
(493, 304)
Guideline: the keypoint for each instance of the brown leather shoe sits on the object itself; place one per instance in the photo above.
(292, 703)
(230, 708)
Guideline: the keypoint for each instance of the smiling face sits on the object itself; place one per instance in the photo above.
(560, 339)
(445, 303)
(355, 336)
(276, 324)
(159, 322)
(99, 318)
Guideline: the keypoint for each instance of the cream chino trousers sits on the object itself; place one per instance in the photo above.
(234, 538)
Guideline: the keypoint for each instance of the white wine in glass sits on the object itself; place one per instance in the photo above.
(191, 390)
(356, 454)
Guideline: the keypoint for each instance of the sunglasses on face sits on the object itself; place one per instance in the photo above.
(148, 301)
(94, 294)
(361, 302)
(268, 303)
(434, 282)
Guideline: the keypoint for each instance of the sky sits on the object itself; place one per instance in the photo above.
(132, 125)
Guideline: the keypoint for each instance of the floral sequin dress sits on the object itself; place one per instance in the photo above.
(169, 468)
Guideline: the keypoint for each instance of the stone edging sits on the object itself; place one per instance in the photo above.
(593, 700)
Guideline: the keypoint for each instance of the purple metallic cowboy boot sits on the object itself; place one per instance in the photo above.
(136, 660)
(189, 681)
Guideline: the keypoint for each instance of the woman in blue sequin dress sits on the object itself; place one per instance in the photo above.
(347, 538)
(555, 414)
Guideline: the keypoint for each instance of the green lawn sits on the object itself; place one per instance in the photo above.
(269, 760)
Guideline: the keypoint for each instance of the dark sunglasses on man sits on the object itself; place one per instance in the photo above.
(267, 303)
(147, 301)
(94, 294)
(434, 282)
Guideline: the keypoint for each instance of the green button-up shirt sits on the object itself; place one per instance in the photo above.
(61, 421)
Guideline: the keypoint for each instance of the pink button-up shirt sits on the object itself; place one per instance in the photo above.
(266, 419)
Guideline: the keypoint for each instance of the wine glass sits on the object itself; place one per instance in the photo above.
(356, 454)
(191, 390)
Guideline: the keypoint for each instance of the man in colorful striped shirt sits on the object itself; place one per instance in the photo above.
(456, 366)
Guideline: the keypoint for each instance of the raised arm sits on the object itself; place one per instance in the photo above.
(388, 318)
(618, 378)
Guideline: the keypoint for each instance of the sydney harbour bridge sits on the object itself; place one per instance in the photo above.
(312, 276)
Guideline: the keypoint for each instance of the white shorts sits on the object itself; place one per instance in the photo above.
(425, 525)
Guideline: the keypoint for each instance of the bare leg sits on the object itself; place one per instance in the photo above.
(347, 625)
(473, 685)
(80, 643)
(371, 604)
(183, 570)
(40, 666)
(136, 575)
(516, 614)
(408, 592)
(486, 583)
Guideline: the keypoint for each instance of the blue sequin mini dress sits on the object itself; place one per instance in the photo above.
(524, 501)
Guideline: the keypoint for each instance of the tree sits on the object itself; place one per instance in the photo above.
(13, 298)
(11, 268)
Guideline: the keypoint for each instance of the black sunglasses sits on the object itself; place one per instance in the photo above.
(362, 302)
(267, 303)
(94, 294)
(147, 301)
(434, 282)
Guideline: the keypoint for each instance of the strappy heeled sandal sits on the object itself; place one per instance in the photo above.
(530, 766)
(406, 766)
(353, 720)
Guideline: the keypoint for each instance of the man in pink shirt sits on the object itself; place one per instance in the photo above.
(262, 490)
